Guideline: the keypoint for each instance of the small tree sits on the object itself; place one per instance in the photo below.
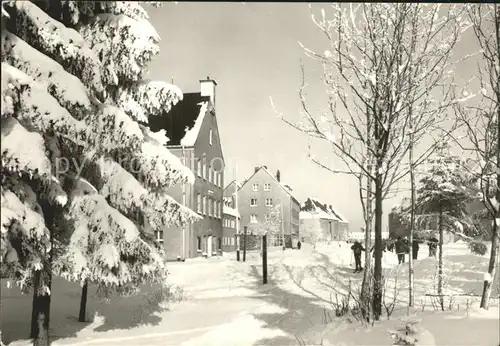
(442, 200)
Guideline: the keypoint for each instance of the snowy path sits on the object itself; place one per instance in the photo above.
(228, 305)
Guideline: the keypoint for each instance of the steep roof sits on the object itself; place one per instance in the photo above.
(238, 185)
(285, 187)
(184, 120)
(313, 208)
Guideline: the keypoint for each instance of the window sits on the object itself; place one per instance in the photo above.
(204, 206)
(159, 236)
(199, 243)
(255, 187)
(220, 210)
(267, 187)
(269, 202)
(204, 168)
(217, 178)
(210, 135)
(198, 203)
(183, 198)
(233, 224)
(198, 167)
(253, 202)
(232, 241)
(210, 207)
(253, 218)
(210, 174)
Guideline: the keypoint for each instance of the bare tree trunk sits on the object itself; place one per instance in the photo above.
(83, 302)
(487, 285)
(377, 272)
(41, 310)
(367, 275)
(411, 269)
(440, 260)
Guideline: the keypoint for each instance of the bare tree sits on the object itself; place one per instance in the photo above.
(483, 126)
(384, 60)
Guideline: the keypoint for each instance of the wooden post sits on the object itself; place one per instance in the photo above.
(237, 248)
(264, 259)
(244, 244)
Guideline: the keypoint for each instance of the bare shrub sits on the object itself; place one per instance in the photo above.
(166, 294)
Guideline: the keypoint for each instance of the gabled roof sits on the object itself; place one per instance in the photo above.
(313, 208)
(285, 187)
(238, 185)
(184, 120)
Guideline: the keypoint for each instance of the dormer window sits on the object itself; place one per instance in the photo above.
(210, 136)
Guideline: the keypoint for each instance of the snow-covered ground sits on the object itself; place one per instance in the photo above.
(227, 304)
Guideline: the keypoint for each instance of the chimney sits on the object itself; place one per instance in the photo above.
(207, 88)
(278, 176)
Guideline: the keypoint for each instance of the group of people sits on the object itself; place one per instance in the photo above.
(400, 245)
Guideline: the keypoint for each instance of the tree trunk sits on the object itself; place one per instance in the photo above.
(367, 275)
(488, 282)
(83, 303)
(377, 272)
(440, 260)
(411, 269)
(40, 316)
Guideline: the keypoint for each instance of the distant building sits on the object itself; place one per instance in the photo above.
(263, 191)
(230, 218)
(320, 222)
(192, 128)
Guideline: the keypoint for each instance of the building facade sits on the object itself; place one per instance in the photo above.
(192, 128)
(263, 191)
(320, 222)
(230, 219)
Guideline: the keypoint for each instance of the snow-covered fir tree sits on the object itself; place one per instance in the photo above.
(442, 201)
(83, 177)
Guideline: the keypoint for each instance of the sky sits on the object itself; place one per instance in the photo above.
(252, 50)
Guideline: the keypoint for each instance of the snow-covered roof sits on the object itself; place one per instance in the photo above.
(191, 134)
(184, 121)
(230, 211)
(313, 208)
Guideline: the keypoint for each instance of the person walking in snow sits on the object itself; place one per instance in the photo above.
(433, 243)
(400, 246)
(357, 248)
(299, 245)
(415, 248)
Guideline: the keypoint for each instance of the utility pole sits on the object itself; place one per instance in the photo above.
(183, 203)
(264, 258)
(237, 213)
(245, 244)
(282, 226)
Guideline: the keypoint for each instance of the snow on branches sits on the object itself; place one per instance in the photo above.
(67, 89)
(124, 43)
(23, 151)
(106, 247)
(35, 108)
(127, 195)
(64, 45)
(143, 99)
